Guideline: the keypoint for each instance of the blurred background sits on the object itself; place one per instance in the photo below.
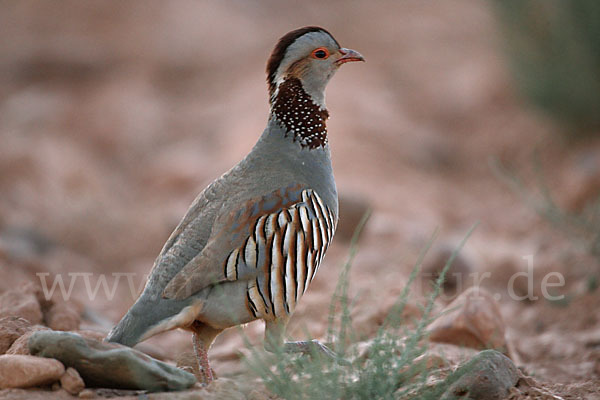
(114, 115)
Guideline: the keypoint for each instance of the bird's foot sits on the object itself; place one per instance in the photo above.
(313, 347)
(198, 371)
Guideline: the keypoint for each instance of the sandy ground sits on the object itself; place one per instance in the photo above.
(113, 115)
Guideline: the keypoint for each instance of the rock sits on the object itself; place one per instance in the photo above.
(63, 316)
(17, 371)
(21, 345)
(473, 319)
(109, 365)
(11, 328)
(352, 208)
(93, 335)
(489, 375)
(21, 303)
(87, 394)
(71, 381)
(187, 362)
(441, 355)
(458, 274)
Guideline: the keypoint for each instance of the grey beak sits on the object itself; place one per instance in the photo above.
(349, 55)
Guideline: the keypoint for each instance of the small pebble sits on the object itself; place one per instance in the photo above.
(71, 381)
(87, 394)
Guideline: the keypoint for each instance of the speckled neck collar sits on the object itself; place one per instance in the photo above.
(302, 118)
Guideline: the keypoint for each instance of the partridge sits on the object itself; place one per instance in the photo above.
(253, 240)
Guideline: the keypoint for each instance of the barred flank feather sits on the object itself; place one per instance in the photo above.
(288, 247)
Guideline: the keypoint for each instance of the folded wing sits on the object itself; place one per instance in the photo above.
(275, 242)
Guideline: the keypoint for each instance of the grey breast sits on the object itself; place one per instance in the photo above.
(293, 239)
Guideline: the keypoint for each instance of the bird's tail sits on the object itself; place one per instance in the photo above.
(130, 330)
(149, 317)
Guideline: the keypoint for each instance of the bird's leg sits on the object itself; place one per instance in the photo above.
(205, 374)
(274, 342)
(202, 337)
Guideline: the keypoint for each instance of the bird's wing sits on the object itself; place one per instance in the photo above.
(248, 240)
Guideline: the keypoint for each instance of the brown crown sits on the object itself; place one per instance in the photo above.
(280, 49)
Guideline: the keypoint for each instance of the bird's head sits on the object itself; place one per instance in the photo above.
(312, 56)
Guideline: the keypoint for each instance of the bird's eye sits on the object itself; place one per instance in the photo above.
(321, 53)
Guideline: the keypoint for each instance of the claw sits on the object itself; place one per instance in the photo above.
(314, 347)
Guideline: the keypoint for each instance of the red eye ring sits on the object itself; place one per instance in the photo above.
(320, 54)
